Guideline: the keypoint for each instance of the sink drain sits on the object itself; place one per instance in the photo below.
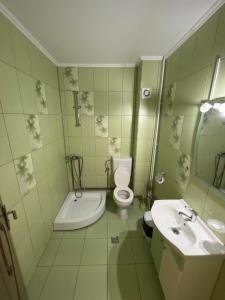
(175, 230)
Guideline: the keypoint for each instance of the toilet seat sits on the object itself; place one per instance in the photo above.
(123, 196)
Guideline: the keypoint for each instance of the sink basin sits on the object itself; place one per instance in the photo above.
(189, 238)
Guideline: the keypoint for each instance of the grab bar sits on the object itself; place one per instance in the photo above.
(76, 108)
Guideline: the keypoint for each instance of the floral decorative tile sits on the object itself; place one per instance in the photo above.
(87, 103)
(170, 97)
(41, 97)
(34, 132)
(101, 126)
(183, 170)
(176, 130)
(71, 79)
(25, 173)
(114, 146)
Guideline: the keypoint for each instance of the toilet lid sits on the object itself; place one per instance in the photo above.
(121, 177)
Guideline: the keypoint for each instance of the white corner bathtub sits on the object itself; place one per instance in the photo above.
(80, 212)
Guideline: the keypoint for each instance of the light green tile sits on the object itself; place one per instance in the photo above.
(95, 252)
(89, 166)
(143, 150)
(128, 79)
(16, 128)
(90, 181)
(9, 188)
(88, 126)
(69, 252)
(75, 234)
(219, 46)
(115, 79)
(100, 165)
(150, 74)
(57, 234)
(101, 103)
(120, 253)
(21, 51)
(127, 126)
(10, 92)
(141, 170)
(135, 227)
(39, 164)
(97, 230)
(122, 283)
(75, 145)
(128, 103)
(49, 252)
(117, 227)
(148, 106)
(101, 80)
(60, 283)
(101, 182)
(115, 103)
(37, 282)
(126, 146)
(141, 250)
(89, 286)
(5, 151)
(115, 126)
(101, 147)
(145, 127)
(88, 147)
(32, 208)
(148, 282)
(86, 78)
(53, 100)
(19, 228)
(45, 129)
(72, 129)
(6, 50)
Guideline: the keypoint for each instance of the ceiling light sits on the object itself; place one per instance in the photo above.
(205, 107)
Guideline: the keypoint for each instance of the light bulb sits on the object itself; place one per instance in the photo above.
(205, 107)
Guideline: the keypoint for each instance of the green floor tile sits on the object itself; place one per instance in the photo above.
(117, 227)
(135, 228)
(95, 252)
(60, 284)
(141, 250)
(57, 235)
(69, 252)
(49, 253)
(120, 253)
(91, 283)
(149, 282)
(134, 211)
(97, 230)
(75, 234)
(122, 283)
(37, 283)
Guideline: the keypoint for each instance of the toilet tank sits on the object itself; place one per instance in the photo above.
(125, 161)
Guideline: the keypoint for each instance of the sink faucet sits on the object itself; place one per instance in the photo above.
(191, 218)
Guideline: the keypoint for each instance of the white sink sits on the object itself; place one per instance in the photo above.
(190, 238)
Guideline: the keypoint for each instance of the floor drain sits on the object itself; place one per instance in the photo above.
(114, 239)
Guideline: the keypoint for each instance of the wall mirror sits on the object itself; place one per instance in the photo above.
(209, 148)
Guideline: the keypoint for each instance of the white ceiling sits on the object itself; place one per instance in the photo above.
(108, 31)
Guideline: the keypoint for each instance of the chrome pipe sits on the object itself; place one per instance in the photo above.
(76, 108)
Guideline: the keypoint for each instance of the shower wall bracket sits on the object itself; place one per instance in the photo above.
(76, 108)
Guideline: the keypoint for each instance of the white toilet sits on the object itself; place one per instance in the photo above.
(122, 194)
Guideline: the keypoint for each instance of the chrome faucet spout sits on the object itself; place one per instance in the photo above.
(191, 218)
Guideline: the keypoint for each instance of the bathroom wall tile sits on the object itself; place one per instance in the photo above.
(21, 51)
(75, 145)
(5, 151)
(70, 79)
(89, 166)
(87, 102)
(86, 79)
(72, 129)
(115, 79)
(69, 103)
(127, 126)
(122, 283)
(34, 132)
(90, 286)
(219, 45)
(148, 106)
(183, 170)
(128, 79)
(101, 126)
(114, 126)
(89, 147)
(145, 127)
(10, 192)
(128, 103)
(101, 182)
(101, 79)
(101, 103)
(100, 165)
(115, 103)
(143, 150)
(10, 93)
(95, 252)
(6, 51)
(90, 181)
(60, 283)
(39, 164)
(53, 100)
(188, 132)
(41, 97)
(16, 128)
(25, 173)
(88, 126)
(150, 74)
(126, 146)
(176, 130)
(141, 170)
(45, 129)
(114, 146)
(28, 95)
